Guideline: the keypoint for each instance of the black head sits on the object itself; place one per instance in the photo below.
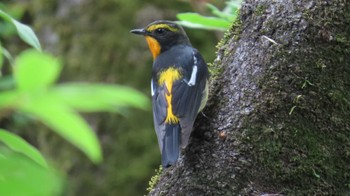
(166, 34)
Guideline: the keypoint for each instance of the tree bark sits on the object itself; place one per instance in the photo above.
(278, 117)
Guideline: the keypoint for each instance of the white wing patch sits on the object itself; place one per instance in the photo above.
(152, 90)
(192, 81)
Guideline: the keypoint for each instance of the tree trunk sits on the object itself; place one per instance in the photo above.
(278, 118)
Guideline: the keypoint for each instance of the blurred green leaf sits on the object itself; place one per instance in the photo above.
(99, 97)
(27, 35)
(35, 70)
(7, 29)
(24, 32)
(16, 10)
(222, 22)
(230, 16)
(7, 55)
(195, 20)
(6, 82)
(18, 144)
(1, 58)
(9, 99)
(64, 122)
(233, 5)
(20, 175)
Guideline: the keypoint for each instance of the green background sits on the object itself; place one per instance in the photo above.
(93, 42)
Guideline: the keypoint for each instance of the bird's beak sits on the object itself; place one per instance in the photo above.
(139, 31)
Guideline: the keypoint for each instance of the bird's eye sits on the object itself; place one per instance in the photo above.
(160, 31)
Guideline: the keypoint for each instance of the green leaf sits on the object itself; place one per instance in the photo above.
(6, 83)
(9, 99)
(233, 5)
(24, 31)
(18, 144)
(19, 175)
(230, 16)
(35, 70)
(7, 55)
(1, 58)
(99, 97)
(27, 35)
(64, 122)
(195, 20)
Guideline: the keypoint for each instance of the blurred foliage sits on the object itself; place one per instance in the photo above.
(22, 176)
(34, 94)
(17, 144)
(222, 20)
(23, 169)
(15, 11)
(24, 32)
(93, 39)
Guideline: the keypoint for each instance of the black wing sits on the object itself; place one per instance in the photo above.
(187, 98)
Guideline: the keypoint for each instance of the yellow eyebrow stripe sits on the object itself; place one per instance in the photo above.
(159, 26)
(168, 77)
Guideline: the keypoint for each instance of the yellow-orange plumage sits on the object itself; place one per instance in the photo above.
(167, 78)
(154, 46)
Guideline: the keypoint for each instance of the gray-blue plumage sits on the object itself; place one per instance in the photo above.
(186, 99)
(179, 86)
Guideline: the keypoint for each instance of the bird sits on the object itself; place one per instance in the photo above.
(179, 86)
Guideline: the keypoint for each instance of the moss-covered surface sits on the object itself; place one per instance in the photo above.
(155, 179)
(299, 142)
(233, 32)
(305, 147)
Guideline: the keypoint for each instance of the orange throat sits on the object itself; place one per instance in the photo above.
(154, 46)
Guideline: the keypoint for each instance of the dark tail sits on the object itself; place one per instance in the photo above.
(171, 145)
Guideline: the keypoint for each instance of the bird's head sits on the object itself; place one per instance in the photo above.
(161, 35)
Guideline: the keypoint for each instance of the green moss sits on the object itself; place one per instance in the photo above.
(214, 70)
(300, 158)
(233, 32)
(306, 148)
(154, 179)
(260, 9)
(342, 38)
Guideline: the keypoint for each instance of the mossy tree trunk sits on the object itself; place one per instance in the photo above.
(278, 118)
